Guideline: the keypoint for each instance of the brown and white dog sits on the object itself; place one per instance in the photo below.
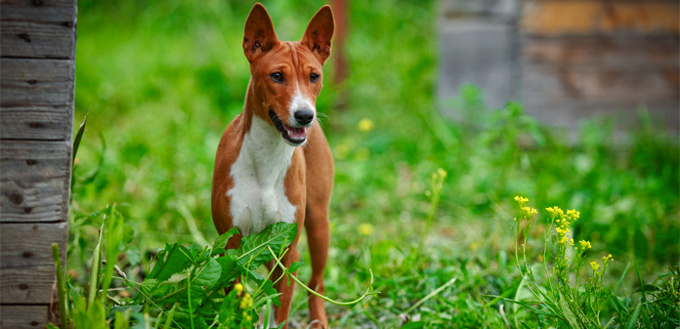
(273, 163)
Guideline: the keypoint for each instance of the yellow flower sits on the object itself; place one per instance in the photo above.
(555, 212)
(246, 302)
(607, 259)
(529, 212)
(473, 246)
(365, 125)
(573, 214)
(594, 266)
(365, 229)
(239, 288)
(442, 173)
(521, 199)
(585, 245)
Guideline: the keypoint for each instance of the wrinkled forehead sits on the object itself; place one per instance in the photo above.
(288, 54)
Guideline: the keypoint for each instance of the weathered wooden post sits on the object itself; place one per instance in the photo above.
(37, 75)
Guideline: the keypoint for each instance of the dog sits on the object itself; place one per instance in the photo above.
(273, 162)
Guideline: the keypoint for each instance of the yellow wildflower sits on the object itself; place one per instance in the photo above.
(555, 212)
(246, 302)
(473, 246)
(529, 212)
(585, 245)
(564, 240)
(365, 229)
(442, 173)
(521, 199)
(573, 214)
(365, 125)
(595, 266)
(239, 288)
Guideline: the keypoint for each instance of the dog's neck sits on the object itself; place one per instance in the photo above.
(265, 151)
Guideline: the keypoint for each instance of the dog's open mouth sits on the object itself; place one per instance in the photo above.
(294, 135)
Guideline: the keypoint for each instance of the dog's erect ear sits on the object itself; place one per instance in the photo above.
(319, 33)
(258, 36)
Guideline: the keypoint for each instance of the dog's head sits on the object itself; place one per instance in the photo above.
(286, 76)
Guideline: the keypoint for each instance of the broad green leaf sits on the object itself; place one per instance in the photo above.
(208, 275)
(122, 320)
(176, 261)
(253, 247)
(221, 241)
(228, 266)
(294, 267)
(183, 318)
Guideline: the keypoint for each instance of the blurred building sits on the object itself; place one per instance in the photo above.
(566, 60)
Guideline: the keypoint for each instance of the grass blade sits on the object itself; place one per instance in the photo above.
(79, 136)
(94, 274)
(168, 321)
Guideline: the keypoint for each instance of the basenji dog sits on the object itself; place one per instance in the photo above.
(273, 162)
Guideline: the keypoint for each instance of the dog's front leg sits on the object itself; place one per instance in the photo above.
(283, 287)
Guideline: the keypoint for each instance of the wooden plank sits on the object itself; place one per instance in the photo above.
(38, 39)
(37, 82)
(35, 181)
(57, 11)
(36, 123)
(27, 272)
(23, 316)
(27, 285)
(643, 53)
(592, 17)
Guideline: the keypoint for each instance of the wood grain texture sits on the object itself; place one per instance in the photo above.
(35, 180)
(37, 82)
(23, 316)
(577, 17)
(56, 11)
(37, 39)
(27, 272)
(36, 123)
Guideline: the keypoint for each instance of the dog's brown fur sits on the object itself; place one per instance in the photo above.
(309, 179)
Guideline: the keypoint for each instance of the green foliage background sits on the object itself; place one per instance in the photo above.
(161, 80)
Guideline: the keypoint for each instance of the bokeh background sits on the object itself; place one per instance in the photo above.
(569, 103)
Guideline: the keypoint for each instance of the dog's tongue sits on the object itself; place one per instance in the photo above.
(296, 133)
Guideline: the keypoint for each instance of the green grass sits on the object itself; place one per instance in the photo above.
(162, 80)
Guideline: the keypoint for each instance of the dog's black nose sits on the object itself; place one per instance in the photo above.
(304, 117)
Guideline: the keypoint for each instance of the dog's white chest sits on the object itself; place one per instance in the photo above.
(258, 196)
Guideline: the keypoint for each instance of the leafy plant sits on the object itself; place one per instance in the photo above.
(562, 298)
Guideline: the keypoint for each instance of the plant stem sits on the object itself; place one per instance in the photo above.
(430, 295)
(191, 312)
(61, 287)
(369, 290)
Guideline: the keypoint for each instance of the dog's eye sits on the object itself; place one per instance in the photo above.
(313, 77)
(277, 77)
